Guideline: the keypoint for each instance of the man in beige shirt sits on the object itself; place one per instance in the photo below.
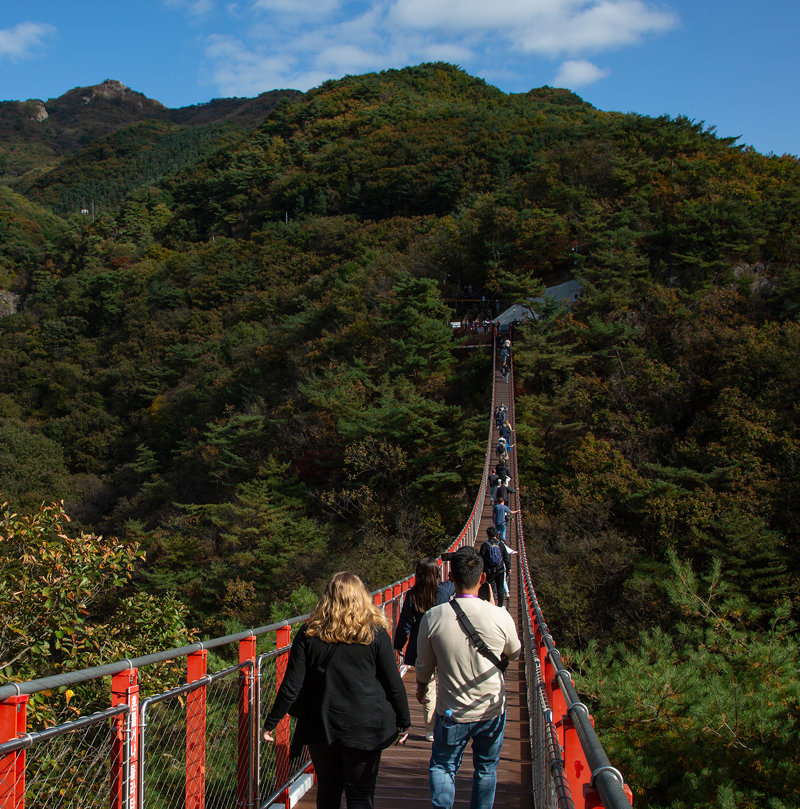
(471, 701)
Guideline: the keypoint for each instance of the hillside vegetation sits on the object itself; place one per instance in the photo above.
(242, 367)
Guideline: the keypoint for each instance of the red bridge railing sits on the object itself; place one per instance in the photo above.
(570, 767)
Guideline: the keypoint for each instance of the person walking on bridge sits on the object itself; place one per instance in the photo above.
(343, 686)
(501, 470)
(496, 564)
(428, 590)
(502, 449)
(500, 513)
(471, 701)
(502, 492)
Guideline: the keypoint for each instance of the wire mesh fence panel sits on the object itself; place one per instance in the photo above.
(69, 767)
(266, 766)
(272, 778)
(223, 739)
(163, 753)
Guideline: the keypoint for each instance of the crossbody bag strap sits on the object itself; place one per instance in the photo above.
(479, 642)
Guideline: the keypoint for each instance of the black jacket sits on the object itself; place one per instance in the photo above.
(503, 491)
(410, 616)
(502, 470)
(358, 702)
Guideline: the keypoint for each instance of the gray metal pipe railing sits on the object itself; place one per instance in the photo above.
(605, 778)
(84, 675)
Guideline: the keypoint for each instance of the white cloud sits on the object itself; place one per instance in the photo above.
(240, 71)
(578, 73)
(297, 53)
(21, 41)
(300, 43)
(544, 27)
(195, 8)
(341, 59)
(461, 15)
(298, 7)
(601, 26)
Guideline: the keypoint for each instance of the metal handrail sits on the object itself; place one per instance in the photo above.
(607, 780)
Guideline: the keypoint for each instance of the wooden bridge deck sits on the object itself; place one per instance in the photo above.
(403, 775)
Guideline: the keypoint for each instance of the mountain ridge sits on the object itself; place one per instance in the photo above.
(36, 133)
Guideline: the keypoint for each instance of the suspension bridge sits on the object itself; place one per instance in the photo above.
(182, 726)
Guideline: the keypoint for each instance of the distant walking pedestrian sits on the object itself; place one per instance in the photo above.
(500, 514)
(496, 564)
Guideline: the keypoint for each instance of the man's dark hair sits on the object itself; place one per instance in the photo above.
(466, 567)
(491, 531)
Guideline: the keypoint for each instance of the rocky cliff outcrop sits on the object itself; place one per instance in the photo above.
(9, 303)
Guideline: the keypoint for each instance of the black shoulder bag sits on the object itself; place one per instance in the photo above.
(472, 633)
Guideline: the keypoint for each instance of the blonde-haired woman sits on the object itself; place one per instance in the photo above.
(343, 686)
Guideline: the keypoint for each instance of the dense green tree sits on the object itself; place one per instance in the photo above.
(63, 607)
(31, 466)
(707, 714)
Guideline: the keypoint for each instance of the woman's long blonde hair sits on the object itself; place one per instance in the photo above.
(345, 612)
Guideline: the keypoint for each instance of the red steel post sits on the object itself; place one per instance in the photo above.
(13, 717)
(196, 667)
(558, 704)
(248, 724)
(576, 766)
(125, 741)
(283, 638)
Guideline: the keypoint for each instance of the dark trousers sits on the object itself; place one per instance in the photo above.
(344, 769)
(497, 583)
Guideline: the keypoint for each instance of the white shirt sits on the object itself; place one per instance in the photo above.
(469, 684)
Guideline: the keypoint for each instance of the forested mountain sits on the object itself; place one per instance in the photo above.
(110, 122)
(242, 367)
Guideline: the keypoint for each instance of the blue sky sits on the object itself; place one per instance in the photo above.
(729, 63)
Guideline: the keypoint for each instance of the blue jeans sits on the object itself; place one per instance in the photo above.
(501, 532)
(448, 748)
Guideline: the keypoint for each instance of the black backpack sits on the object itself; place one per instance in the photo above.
(494, 555)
